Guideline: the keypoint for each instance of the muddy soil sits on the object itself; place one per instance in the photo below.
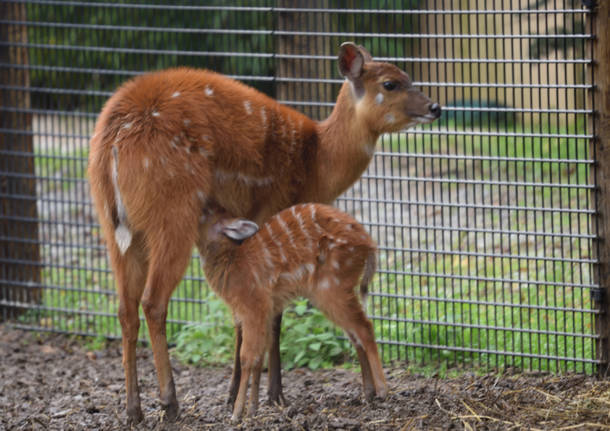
(53, 382)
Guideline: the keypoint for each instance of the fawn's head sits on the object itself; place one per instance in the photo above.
(385, 97)
(221, 230)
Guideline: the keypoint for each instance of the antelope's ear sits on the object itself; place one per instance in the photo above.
(351, 60)
(240, 229)
(365, 54)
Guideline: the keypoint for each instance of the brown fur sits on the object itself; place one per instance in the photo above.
(309, 250)
(185, 137)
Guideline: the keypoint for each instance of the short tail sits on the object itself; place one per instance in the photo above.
(370, 266)
(122, 234)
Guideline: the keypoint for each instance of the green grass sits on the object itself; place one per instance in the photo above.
(436, 285)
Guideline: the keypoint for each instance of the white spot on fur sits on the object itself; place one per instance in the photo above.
(324, 284)
(389, 118)
(122, 235)
(248, 107)
(163, 160)
(204, 152)
(127, 126)
(146, 163)
(379, 99)
(209, 91)
(298, 274)
(176, 94)
(155, 114)
(201, 195)
(335, 264)
(264, 117)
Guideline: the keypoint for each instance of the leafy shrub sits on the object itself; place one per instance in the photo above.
(209, 342)
(308, 338)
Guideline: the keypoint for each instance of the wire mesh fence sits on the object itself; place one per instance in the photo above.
(484, 219)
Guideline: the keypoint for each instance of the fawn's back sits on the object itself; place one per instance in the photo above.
(305, 250)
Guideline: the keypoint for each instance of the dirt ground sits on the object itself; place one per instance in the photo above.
(53, 382)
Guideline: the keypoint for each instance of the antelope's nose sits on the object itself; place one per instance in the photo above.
(435, 109)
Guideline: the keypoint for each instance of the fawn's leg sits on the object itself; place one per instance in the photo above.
(274, 391)
(345, 310)
(368, 384)
(235, 377)
(254, 342)
(254, 388)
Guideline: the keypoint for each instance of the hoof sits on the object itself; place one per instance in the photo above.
(277, 399)
(134, 416)
(382, 393)
(231, 401)
(171, 412)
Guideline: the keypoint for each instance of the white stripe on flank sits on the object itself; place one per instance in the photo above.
(277, 244)
(266, 255)
(312, 212)
(301, 225)
(208, 91)
(286, 230)
(176, 94)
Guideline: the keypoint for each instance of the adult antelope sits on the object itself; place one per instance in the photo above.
(168, 143)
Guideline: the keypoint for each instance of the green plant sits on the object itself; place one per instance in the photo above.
(209, 342)
(309, 339)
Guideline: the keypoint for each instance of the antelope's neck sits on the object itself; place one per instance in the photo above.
(346, 146)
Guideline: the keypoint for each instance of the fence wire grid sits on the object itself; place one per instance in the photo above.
(484, 219)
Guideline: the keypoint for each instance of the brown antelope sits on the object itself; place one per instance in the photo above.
(309, 250)
(169, 142)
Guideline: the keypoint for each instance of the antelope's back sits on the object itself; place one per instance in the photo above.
(185, 136)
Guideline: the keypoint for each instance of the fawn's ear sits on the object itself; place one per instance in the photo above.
(240, 229)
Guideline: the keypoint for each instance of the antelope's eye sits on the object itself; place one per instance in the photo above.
(389, 85)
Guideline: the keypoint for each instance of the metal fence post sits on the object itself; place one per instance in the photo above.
(601, 98)
(19, 244)
(291, 69)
